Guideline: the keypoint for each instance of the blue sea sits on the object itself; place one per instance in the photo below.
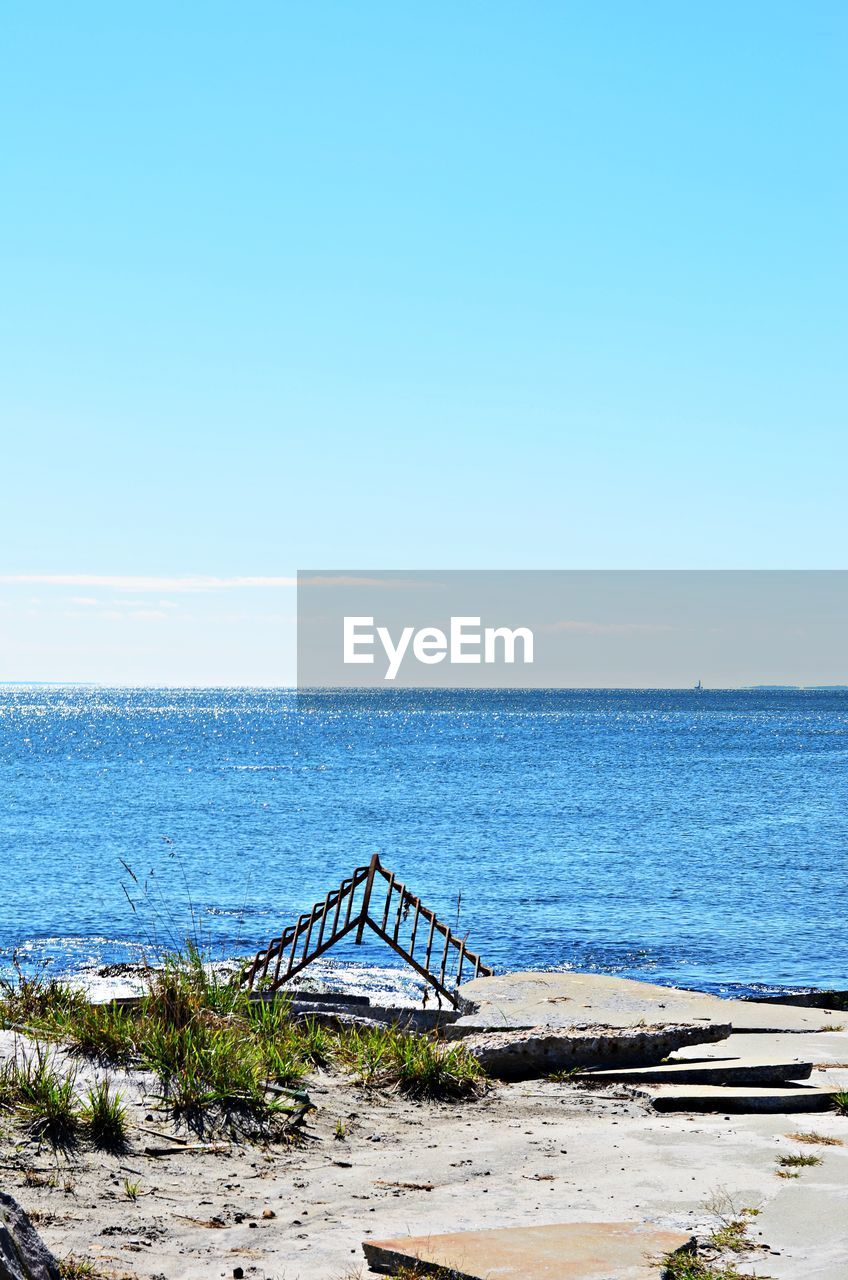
(692, 838)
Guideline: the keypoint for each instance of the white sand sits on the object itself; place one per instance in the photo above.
(524, 1153)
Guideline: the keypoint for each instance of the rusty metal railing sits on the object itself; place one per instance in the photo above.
(372, 897)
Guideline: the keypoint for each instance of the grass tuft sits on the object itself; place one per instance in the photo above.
(418, 1066)
(568, 1075)
(105, 1117)
(732, 1235)
(815, 1139)
(74, 1268)
(46, 1099)
(797, 1161)
(687, 1265)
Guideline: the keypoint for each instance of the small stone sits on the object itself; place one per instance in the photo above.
(238, 1273)
(268, 1213)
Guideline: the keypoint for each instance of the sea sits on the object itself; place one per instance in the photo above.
(691, 838)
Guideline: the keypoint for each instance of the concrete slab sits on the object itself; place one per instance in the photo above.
(534, 999)
(724, 1071)
(521, 1054)
(565, 1251)
(729, 1100)
(819, 1047)
(806, 1223)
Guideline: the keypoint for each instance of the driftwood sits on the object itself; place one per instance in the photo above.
(189, 1148)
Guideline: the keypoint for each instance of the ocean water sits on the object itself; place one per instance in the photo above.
(697, 839)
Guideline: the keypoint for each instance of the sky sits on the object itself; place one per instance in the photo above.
(405, 286)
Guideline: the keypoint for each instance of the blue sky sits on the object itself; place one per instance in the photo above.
(388, 286)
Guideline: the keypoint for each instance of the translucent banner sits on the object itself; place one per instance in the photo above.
(572, 629)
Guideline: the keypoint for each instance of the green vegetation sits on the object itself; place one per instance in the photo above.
(220, 1059)
(731, 1235)
(418, 1066)
(797, 1161)
(840, 1102)
(45, 1100)
(567, 1076)
(105, 1117)
(72, 1268)
(686, 1265)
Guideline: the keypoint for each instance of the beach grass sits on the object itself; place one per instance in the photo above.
(44, 1097)
(219, 1058)
(687, 1265)
(105, 1117)
(418, 1066)
(815, 1139)
(731, 1235)
(75, 1268)
(798, 1161)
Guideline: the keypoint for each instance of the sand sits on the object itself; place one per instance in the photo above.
(524, 1153)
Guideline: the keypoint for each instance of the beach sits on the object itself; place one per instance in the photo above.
(370, 1163)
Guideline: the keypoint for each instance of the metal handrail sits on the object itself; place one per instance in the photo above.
(290, 958)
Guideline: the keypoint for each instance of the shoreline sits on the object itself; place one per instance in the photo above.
(395, 984)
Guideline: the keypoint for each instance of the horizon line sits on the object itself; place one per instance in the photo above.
(315, 689)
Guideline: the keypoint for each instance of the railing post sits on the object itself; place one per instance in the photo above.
(372, 869)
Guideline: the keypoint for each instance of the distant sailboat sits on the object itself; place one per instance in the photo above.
(699, 688)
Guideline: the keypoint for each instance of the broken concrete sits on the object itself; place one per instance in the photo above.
(707, 1097)
(535, 999)
(723, 1071)
(819, 1197)
(819, 1047)
(566, 1251)
(541, 1051)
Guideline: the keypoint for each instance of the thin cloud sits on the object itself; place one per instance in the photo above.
(351, 580)
(132, 582)
(578, 628)
(202, 582)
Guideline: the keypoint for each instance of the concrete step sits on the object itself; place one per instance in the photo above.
(807, 1046)
(709, 1097)
(723, 1071)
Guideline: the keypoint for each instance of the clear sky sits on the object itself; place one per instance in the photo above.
(477, 285)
